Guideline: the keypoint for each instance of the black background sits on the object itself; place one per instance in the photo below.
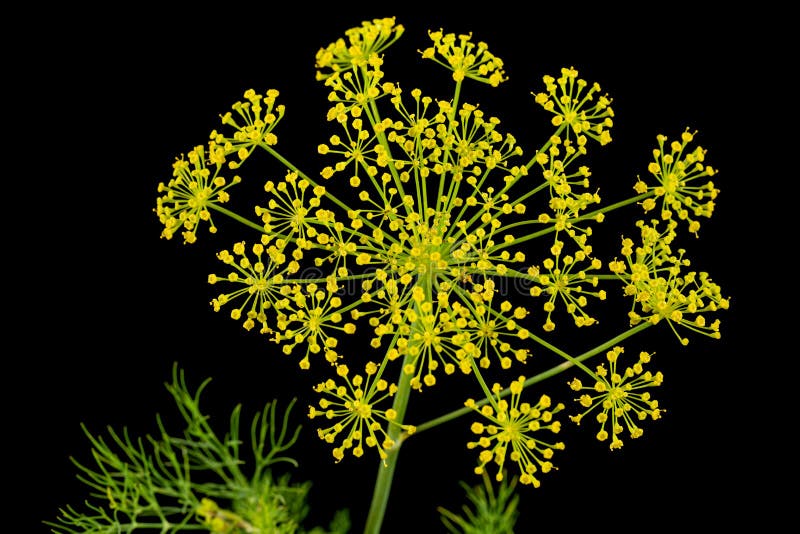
(103, 307)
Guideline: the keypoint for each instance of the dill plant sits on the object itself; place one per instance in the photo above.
(424, 208)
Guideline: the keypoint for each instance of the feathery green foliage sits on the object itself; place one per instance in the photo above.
(492, 512)
(196, 480)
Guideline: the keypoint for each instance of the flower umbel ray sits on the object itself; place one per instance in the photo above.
(510, 433)
(354, 408)
(618, 398)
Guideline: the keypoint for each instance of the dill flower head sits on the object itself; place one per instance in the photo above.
(577, 105)
(417, 254)
(510, 433)
(257, 276)
(465, 58)
(618, 398)
(196, 187)
(420, 251)
(681, 187)
(253, 123)
(353, 403)
(661, 288)
(360, 45)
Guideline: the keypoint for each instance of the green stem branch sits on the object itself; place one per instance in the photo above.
(383, 482)
(237, 217)
(560, 368)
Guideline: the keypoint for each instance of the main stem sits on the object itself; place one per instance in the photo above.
(386, 469)
(383, 482)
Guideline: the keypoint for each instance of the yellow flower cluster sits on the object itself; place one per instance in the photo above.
(510, 432)
(312, 318)
(194, 190)
(476, 145)
(461, 330)
(434, 222)
(257, 117)
(577, 105)
(465, 58)
(660, 290)
(306, 313)
(425, 146)
(618, 397)
(259, 281)
(289, 214)
(569, 195)
(354, 408)
(677, 171)
(362, 45)
(191, 194)
(563, 280)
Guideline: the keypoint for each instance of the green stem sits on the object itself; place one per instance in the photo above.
(563, 366)
(237, 217)
(585, 217)
(300, 173)
(383, 482)
(616, 205)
